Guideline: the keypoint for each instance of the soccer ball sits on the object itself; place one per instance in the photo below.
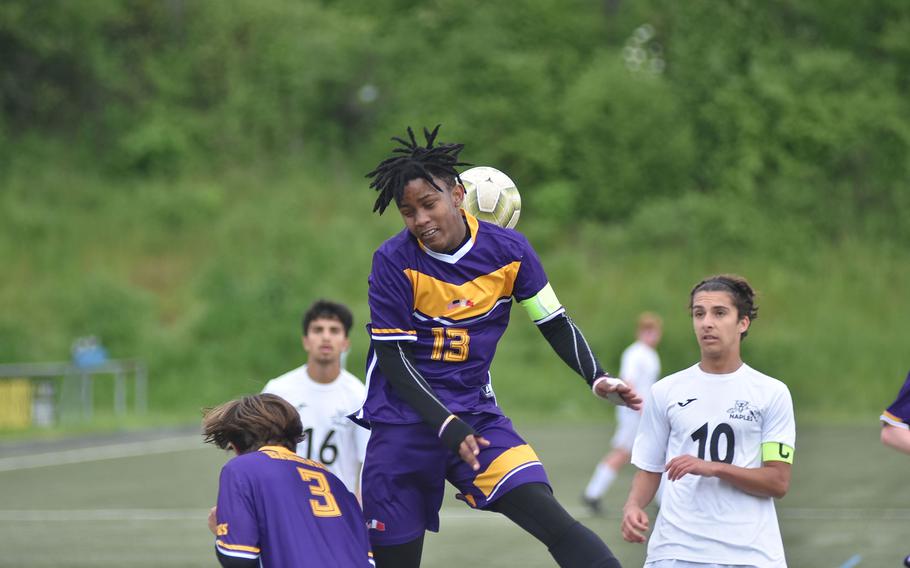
(491, 195)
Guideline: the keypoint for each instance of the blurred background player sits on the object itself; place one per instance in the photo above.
(639, 368)
(724, 433)
(276, 509)
(324, 393)
(896, 421)
(440, 292)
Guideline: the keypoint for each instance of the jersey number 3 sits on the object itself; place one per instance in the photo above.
(457, 349)
(324, 504)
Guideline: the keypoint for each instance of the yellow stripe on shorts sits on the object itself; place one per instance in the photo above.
(487, 480)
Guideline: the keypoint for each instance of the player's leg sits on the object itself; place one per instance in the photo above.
(604, 475)
(605, 472)
(511, 480)
(534, 508)
(403, 483)
(406, 555)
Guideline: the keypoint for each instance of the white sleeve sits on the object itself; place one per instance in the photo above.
(649, 452)
(361, 437)
(268, 388)
(778, 424)
(361, 434)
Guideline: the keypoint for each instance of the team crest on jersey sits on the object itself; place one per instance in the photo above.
(743, 410)
(459, 303)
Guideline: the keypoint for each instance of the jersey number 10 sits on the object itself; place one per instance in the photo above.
(723, 429)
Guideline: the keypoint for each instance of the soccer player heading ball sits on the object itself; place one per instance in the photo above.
(440, 292)
(724, 434)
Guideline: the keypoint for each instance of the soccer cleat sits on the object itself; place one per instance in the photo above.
(592, 505)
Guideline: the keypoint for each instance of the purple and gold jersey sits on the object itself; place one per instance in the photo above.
(288, 511)
(454, 308)
(898, 414)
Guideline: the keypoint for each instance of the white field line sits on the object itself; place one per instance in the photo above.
(446, 515)
(96, 453)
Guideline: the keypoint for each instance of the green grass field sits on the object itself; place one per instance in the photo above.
(143, 503)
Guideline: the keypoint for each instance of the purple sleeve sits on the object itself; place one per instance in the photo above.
(898, 414)
(237, 531)
(391, 299)
(531, 277)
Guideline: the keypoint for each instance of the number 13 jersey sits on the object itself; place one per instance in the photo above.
(716, 417)
(453, 309)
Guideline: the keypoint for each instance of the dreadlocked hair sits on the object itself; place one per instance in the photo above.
(414, 161)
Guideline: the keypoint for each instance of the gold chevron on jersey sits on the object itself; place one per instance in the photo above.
(474, 299)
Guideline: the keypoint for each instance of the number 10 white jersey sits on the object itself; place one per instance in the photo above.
(717, 418)
(331, 438)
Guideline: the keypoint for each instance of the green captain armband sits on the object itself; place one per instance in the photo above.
(543, 304)
(776, 452)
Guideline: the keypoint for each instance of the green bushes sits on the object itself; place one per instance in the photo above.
(184, 177)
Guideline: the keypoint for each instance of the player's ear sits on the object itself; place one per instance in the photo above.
(744, 324)
(458, 192)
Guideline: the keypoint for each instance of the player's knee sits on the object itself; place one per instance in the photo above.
(533, 507)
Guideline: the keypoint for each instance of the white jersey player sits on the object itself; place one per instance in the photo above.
(724, 435)
(639, 368)
(324, 394)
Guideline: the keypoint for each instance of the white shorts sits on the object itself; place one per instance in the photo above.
(627, 421)
(687, 564)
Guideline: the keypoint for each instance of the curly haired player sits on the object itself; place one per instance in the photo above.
(440, 293)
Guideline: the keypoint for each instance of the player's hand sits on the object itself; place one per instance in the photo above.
(634, 523)
(617, 392)
(470, 448)
(213, 521)
(681, 465)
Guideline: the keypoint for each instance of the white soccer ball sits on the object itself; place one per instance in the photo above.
(491, 195)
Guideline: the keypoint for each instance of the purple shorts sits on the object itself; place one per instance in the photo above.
(404, 473)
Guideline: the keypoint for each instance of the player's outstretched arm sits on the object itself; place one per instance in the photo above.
(617, 391)
(772, 479)
(570, 344)
(398, 366)
(896, 438)
(634, 518)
